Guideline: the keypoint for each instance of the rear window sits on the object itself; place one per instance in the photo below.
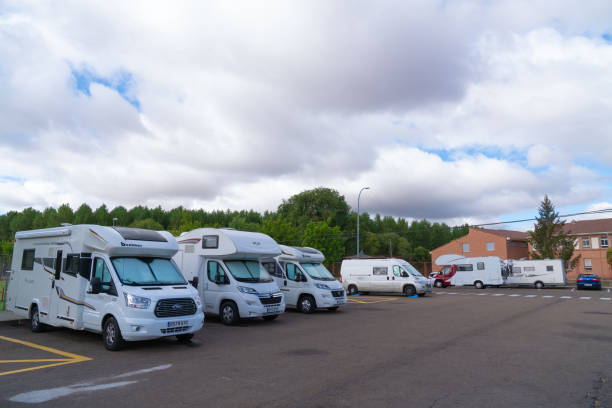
(27, 261)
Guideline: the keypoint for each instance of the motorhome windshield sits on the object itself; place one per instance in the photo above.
(248, 271)
(317, 271)
(411, 270)
(147, 271)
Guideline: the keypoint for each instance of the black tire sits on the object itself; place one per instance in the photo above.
(352, 290)
(539, 285)
(409, 290)
(307, 304)
(35, 324)
(228, 312)
(184, 338)
(111, 335)
(479, 285)
(438, 284)
(332, 309)
(270, 317)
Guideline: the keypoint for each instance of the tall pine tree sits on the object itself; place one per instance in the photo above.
(548, 239)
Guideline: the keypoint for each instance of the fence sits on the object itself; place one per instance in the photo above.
(5, 265)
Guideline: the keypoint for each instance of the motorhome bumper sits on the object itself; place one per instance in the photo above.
(326, 299)
(255, 307)
(134, 329)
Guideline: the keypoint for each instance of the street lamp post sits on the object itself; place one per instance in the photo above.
(358, 197)
(114, 221)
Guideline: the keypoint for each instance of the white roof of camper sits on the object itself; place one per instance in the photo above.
(451, 259)
(231, 243)
(301, 254)
(114, 241)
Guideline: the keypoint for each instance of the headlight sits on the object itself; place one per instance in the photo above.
(245, 289)
(322, 286)
(197, 300)
(137, 302)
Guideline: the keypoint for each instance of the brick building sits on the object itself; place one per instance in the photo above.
(591, 241)
(505, 244)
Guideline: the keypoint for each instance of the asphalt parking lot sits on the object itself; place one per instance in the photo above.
(459, 347)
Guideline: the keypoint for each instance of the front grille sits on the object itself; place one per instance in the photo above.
(174, 330)
(175, 307)
(270, 300)
(338, 293)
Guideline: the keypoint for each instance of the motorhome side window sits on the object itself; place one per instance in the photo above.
(480, 266)
(397, 271)
(529, 269)
(380, 270)
(465, 268)
(102, 272)
(516, 269)
(27, 260)
(71, 264)
(210, 241)
(290, 270)
(216, 273)
(549, 268)
(273, 269)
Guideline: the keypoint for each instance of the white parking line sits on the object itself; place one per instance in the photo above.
(531, 296)
(481, 294)
(515, 295)
(499, 294)
(585, 297)
(565, 297)
(605, 298)
(548, 297)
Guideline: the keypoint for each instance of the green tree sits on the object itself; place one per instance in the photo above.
(102, 216)
(51, 217)
(188, 223)
(147, 223)
(84, 215)
(65, 214)
(329, 240)
(282, 231)
(548, 239)
(121, 214)
(319, 204)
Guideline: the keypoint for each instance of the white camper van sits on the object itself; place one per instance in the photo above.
(383, 275)
(480, 271)
(535, 272)
(117, 281)
(224, 264)
(306, 283)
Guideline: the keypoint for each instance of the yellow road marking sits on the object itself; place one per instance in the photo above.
(71, 358)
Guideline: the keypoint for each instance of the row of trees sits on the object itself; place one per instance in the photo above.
(318, 218)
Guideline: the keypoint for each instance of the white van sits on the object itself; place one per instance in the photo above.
(224, 265)
(382, 275)
(305, 281)
(535, 272)
(479, 271)
(117, 281)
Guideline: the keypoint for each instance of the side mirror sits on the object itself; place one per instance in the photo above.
(96, 286)
(194, 282)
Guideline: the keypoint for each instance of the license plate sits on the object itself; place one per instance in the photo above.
(273, 309)
(177, 323)
(339, 301)
(588, 284)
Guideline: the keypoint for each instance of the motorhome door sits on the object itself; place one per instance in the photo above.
(94, 303)
(217, 283)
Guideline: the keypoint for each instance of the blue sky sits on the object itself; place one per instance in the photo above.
(470, 112)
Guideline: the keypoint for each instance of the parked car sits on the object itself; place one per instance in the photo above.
(588, 281)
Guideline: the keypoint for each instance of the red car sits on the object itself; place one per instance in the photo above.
(443, 278)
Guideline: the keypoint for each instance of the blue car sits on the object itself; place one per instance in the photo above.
(588, 281)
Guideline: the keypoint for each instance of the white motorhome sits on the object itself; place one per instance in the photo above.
(305, 281)
(120, 282)
(224, 265)
(383, 275)
(535, 272)
(479, 272)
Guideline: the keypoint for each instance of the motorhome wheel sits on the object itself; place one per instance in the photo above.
(479, 285)
(270, 317)
(111, 335)
(539, 285)
(35, 323)
(438, 284)
(352, 290)
(307, 304)
(409, 290)
(229, 313)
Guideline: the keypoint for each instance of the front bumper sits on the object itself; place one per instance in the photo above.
(134, 329)
(252, 307)
(326, 300)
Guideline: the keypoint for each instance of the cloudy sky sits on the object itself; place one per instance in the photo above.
(456, 111)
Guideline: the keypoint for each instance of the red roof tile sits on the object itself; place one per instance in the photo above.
(513, 235)
(589, 226)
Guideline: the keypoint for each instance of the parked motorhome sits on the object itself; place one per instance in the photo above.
(479, 272)
(389, 275)
(224, 265)
(305, 281)
(120, 282)
(535, 272)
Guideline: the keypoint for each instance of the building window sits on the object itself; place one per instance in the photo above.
(587, 264)
(466, 247)
(586, 243)
(576, 244)
(490, 246)
(604, 242)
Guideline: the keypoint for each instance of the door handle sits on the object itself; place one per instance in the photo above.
(387, 278)
(285, 282)
(393, 278)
